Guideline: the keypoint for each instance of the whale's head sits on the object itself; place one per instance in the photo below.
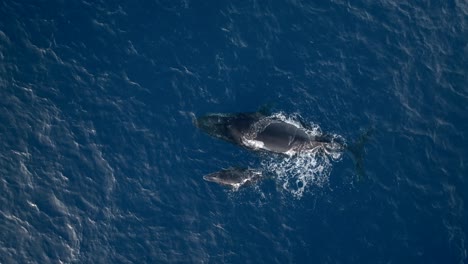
(229, 127)
(216, 125)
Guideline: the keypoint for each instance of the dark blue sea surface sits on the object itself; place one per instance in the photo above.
(100, 161)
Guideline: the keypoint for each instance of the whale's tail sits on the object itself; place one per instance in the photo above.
(357, 151)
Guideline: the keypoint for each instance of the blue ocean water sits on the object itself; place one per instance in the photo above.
(100, 161)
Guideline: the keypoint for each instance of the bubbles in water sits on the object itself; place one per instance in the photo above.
(295, 174)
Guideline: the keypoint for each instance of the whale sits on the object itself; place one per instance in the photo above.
(270, 134)
(235, 177)
(273, 134)
(259, 132)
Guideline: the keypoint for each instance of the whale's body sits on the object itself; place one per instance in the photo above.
(259, 132)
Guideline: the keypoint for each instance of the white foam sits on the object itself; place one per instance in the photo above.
(296, 174)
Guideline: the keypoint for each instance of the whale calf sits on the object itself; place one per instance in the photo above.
(257, 131)
(234, 177)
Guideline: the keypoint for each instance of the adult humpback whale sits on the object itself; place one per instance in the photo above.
(256, 131)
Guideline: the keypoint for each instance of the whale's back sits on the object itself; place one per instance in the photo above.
(282, 137)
